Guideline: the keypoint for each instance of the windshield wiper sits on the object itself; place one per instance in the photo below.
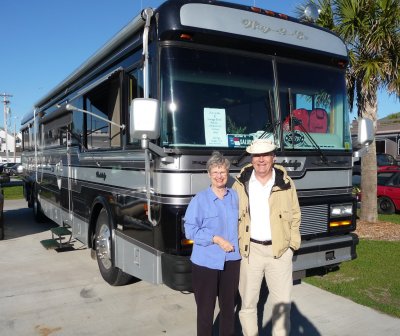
(297, 122)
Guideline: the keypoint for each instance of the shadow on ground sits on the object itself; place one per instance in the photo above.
(20, 222)
(300, 324)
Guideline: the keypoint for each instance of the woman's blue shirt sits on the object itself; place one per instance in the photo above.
(208, 216)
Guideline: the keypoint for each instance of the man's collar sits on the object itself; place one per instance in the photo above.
(253, 176)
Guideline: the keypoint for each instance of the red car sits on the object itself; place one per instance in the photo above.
(388, 189)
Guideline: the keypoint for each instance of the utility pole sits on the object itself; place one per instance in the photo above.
(15, 141)
(6, 108)
(15, 118)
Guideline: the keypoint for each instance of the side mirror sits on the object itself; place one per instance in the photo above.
(365, 132)
(365, 136)
(144, 119)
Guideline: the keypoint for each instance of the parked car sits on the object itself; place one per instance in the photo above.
(382, 159)
(10, 167)
(388, 189)
(15, 170)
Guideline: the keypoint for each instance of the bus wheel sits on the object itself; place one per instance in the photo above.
(385, 206)
(37, 210)
(104, 252)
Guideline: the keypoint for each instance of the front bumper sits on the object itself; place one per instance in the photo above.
(327, 251)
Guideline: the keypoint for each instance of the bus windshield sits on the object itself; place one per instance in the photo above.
(221, 100)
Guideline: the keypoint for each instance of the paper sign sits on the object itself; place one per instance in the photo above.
(215, 127)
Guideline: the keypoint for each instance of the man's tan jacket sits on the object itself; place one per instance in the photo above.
(285, 215)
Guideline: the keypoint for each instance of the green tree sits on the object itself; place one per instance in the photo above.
(371, 31)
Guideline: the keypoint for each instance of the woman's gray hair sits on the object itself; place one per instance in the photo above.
(217, 159)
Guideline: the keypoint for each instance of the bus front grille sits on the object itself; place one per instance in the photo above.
(314, 219)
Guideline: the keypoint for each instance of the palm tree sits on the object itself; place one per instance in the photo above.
(371, 31)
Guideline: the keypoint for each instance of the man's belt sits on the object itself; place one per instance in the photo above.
(261, 242)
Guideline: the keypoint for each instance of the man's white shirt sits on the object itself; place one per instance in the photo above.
(259, 207)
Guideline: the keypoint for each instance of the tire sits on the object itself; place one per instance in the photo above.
(386, 206)
(37, 210)
(105, 252)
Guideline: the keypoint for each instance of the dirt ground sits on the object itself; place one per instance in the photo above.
(378, 231)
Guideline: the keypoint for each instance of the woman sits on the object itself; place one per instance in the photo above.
(211, 221)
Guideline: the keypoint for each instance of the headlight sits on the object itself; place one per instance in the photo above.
(341, 210)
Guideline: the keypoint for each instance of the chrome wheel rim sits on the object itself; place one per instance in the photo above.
(103, 246)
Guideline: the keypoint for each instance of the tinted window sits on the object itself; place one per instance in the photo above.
(315, 99)
(217, 99)
(213, 99)
(104, 101)
(396, 180)
(383, 178)
(385, 160)
(135, 79)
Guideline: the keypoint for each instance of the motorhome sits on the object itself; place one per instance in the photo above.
(117, 150)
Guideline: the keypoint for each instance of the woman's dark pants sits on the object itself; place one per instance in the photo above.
(208, 284)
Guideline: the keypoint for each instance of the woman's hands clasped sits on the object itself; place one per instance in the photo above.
(224, 244)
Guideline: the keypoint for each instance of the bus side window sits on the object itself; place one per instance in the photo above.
(26, 145)
(135, 84)
(104, 101)
(53, 130)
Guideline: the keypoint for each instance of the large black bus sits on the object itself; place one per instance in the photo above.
(116, 151)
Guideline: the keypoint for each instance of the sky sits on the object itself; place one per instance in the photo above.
(44, 41)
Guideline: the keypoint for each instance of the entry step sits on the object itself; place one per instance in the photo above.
(60, 239)
(60, 231)
(50, 244)
(56, 244)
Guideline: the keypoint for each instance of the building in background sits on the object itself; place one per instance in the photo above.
(13, 146)
(387, 136)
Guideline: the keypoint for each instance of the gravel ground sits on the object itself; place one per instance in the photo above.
(378, 231)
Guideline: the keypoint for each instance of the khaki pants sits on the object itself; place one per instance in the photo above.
(278, 275)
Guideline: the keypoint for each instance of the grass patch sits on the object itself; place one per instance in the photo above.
(371, 280)
(395, 218)
(13, 192)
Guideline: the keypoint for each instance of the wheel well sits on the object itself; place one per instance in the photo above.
(92, 223)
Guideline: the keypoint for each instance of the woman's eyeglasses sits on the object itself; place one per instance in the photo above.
(219, 173)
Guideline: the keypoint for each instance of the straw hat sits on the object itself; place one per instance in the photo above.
(261, 146)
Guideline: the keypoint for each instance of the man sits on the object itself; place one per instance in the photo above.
(267, 238)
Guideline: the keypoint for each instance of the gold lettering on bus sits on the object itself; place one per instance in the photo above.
(255, 25)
